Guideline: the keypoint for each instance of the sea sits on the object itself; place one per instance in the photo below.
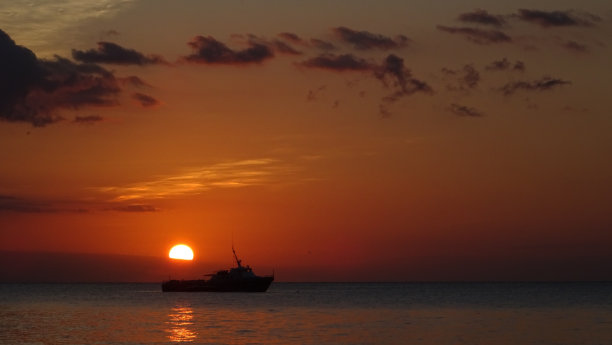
(310, 313)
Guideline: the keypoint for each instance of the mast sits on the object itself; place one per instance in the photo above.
(238, 261)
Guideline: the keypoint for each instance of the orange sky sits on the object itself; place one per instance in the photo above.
(344, 141)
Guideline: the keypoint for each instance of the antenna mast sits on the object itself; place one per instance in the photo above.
(238, 261)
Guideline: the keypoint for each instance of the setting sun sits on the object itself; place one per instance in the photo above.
(181, 252)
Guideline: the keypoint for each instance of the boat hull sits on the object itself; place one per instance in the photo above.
(258, 284)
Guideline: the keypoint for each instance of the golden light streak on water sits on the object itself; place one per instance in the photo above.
(181, 324)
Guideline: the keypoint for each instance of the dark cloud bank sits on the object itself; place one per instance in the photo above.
(35, 90)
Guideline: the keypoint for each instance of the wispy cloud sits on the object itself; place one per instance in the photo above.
(462, 110)
(200, 179)
(365, 40)
(392, 72)
(145, 100)
(10, 203)
(88, 119)
(479, 36)
(112, 53)
(135, 208)
(313, 42)
(342, 62)
(547, 19)
(543, 84)
(483, 17)
(291, 37)
(504, 65)
(576, 47)
(41, 22)
(321, 44)
(16, 204)
(466, 78)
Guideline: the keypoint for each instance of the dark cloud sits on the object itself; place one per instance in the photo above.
(49, 85)
(145, 100)
(322, 45)
(73, 85)
(575, 47)
(135, 208)
(35, 90)
(20, 71)
(9, 203)
(548, 19)
(505, 65)
(394, 74)
(478, 36)
(112, 53)
(462, 110)
(466, 78)
(480, 16)
(208, 50)
(391, 72)
(366, 40)
(545, 83)
(471, 77)
(14, 204)
(344, 62)
(89, 119)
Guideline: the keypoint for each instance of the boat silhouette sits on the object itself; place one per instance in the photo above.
(236, 279)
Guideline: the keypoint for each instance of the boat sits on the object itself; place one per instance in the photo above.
(236, 279)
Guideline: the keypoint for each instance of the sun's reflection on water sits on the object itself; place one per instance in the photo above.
(181, 324)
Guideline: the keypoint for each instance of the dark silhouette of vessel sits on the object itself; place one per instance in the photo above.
(236, 279)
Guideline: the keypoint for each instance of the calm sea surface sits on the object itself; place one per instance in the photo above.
(313, 313)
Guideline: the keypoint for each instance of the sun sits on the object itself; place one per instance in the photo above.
(181, 252)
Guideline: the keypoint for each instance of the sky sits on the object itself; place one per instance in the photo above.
(327, 140)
